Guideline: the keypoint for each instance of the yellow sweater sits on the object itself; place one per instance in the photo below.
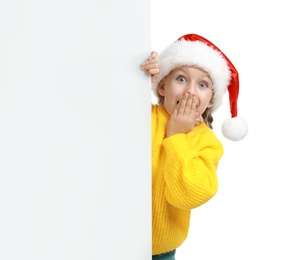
(183, 177)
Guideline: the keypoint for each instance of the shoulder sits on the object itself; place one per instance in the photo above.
(206, 137)
(154, 107)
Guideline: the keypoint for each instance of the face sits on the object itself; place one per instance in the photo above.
(184, 80)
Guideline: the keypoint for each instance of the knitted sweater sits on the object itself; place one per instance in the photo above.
(183, 177)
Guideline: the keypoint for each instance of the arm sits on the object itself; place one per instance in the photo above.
(190, 170)
(150, 66)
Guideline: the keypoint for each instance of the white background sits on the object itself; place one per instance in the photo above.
(50, 118)
(253, 215)
(74, 130)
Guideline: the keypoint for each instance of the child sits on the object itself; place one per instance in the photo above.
(189, 79)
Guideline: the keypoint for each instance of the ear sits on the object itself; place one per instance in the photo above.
(210, 104)
(161, 88)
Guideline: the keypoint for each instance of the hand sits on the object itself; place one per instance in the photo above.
(150, 66)
(184, 116)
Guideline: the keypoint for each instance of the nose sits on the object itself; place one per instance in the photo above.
(190, 89)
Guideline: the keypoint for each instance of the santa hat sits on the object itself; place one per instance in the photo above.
(194, 50)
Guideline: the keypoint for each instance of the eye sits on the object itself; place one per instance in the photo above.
(181, 78)
(203, 84)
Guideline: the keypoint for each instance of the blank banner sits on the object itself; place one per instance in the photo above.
(75, 155)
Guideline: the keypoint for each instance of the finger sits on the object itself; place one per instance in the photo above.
(152, 72)
(181, 106)
(152, 58)
(197, 111)
(153, 55)
(189, 106)
(151, 69)
(150, 66)
(154, 77)
(194, 107)
(150, 62)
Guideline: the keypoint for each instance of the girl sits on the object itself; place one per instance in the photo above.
(189, 78)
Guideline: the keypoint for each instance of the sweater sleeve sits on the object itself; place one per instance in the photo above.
(190, 171)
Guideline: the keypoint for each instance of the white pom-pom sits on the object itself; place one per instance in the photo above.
(235, 129)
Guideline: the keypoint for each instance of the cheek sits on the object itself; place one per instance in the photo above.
(209, 99)
(205, 99)
(208, 96)
(174, 92)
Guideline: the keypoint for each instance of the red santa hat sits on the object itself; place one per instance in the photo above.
(194, 50)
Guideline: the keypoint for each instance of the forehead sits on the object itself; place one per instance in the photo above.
(192, 70)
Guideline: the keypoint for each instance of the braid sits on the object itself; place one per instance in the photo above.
(207, 117)
(160, 99)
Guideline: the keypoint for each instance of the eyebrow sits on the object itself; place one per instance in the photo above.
(181, 69)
